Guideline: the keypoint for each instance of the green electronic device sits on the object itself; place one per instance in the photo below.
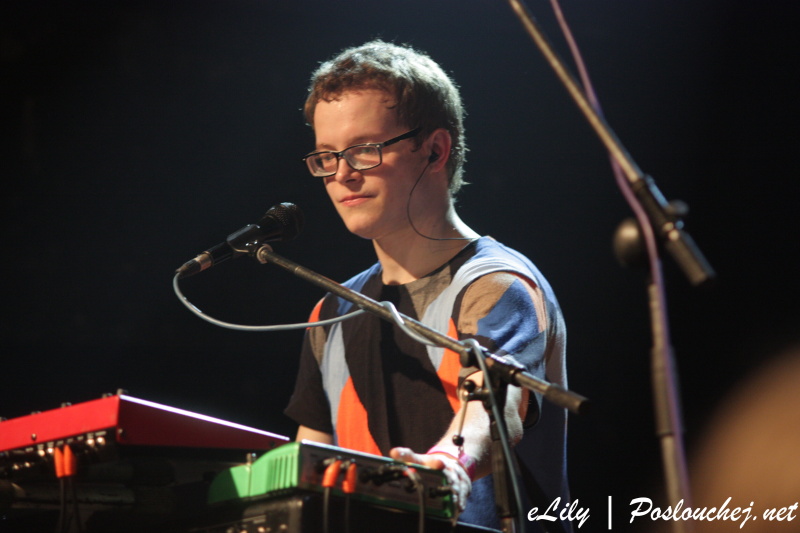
(313, 467)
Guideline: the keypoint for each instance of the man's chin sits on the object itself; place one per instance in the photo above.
(360, 230)
(360, 226)
(364, 235)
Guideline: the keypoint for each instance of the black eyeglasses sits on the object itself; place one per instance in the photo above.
(359, 156)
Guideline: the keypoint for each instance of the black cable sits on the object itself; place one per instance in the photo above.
(75, 503)
(62, 511)
(411, 222)
(326, 502)
(347, 513)
(421, 502)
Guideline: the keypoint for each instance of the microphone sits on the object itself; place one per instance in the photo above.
(281, 222)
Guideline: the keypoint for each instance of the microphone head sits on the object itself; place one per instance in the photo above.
(282, 222)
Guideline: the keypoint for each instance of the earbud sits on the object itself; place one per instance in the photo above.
(434, 156)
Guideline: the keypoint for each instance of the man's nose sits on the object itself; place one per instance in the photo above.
(344, 172)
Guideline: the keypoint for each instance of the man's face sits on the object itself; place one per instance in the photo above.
(372, 203)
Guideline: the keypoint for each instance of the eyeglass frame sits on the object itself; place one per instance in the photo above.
(341, 154)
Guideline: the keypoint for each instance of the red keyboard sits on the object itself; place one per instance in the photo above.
(130, 421)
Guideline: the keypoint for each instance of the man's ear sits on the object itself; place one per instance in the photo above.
(438, 146)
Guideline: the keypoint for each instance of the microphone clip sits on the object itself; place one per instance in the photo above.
(245, 240)
(468, 394)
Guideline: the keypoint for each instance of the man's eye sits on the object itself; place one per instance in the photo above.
(361, 150)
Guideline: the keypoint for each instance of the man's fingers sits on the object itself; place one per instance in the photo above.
(407, 455)
(455, 474)
(398, 453)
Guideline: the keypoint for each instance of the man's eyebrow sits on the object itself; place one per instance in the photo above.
(361, 139)
(374, 138)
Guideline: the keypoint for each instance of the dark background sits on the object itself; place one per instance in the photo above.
(136, 134)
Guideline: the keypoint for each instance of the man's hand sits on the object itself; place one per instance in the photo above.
(455, 473)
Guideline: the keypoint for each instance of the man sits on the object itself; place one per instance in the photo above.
(390, 150)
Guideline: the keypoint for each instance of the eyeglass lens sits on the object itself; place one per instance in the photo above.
(358, 157)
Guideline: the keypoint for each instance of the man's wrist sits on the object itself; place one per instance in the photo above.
(467, 462)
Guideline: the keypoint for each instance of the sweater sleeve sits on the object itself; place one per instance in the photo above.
(506, 314)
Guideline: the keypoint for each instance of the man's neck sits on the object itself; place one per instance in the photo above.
(408, 256)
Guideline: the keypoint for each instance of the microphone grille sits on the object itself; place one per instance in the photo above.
(290, 218)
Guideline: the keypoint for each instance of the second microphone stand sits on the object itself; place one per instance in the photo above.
(660, 221)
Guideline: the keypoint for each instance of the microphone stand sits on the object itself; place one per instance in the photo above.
(656, 217)
(504, 464)
(499, 372)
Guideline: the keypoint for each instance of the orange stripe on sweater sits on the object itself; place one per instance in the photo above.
(448, 371)
(315, 312)
(352, 423)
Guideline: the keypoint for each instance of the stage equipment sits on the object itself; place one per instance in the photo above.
(117, 463)
(305, 512)
(281, 222)
(658, 223)
(314, 467)
(312, 487)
